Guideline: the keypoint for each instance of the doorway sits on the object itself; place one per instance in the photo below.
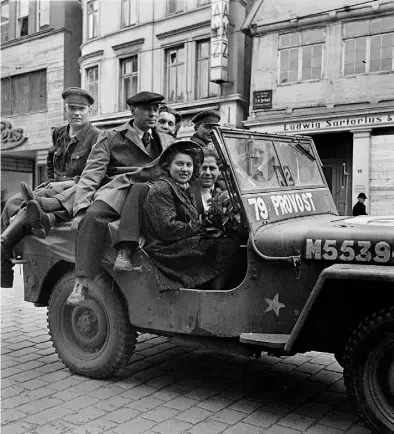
(336, 153)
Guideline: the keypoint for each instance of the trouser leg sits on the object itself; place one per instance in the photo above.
(11, 208)
(91, 237)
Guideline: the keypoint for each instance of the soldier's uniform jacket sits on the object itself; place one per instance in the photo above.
(68, 156)
(118, 160)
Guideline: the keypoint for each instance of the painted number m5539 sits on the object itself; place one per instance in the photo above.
(348, 250)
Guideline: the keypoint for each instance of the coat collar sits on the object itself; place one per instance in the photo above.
(132, 135)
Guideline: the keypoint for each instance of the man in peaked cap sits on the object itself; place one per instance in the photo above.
(37, 211)
(122, 156)
(203, 125)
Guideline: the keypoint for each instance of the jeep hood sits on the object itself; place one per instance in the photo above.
(362, 239)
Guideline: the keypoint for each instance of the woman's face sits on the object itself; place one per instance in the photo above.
(166, 123)
(181, 168)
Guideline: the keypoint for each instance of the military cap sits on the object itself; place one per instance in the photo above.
(206, 117)
(76, 95)
(361, 196)
(144, 97)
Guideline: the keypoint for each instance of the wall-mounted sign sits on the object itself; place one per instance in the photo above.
(262, 99)
(11, 137)
(219, 41)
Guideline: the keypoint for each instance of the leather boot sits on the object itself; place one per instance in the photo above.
(14, 233)
(39, 220)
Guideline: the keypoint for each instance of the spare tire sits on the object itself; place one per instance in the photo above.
(94, 339)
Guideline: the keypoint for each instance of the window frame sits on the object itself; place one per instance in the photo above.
(300, 51)
(123, 2)
(96, 106)
(168, 13)
(200, 3)
(40, 11)
(166, 75)
(368, 35)
(197, 62)
(20, 18)
(122, 97)
(3, 24)
(88, 15)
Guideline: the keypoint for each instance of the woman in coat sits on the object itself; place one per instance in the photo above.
(179, 245)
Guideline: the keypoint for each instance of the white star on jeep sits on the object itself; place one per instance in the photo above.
(274, 305)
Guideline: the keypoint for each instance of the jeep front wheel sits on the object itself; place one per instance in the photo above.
(94, 339)
(369, 370)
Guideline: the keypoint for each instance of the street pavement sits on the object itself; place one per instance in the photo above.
(166, 388)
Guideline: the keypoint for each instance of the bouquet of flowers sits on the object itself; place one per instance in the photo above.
(222, 214)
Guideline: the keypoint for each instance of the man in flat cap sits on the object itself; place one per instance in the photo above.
(37, 211)
(203, 125)
(121, 157)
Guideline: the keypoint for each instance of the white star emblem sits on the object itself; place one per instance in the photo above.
(274, 305)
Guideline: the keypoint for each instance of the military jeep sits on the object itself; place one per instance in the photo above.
(308, 279)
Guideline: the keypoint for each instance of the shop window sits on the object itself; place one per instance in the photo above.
(368, 46)
(175, 6)
(301, 56)
(92, 78)
(43, 14)
(92, 19)
(24, 93)
(23, 18)
(129, 79)
(5, 10)
(175, 74)
(204, 87)
(129, 12)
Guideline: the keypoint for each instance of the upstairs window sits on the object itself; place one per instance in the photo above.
(129, 79)
(175, 74)
(129, 12)
(43, 14)
(301, 56)
(23, 18)
(205, 87)
(203, 3)
(5, 9)
(369, 46)
(92, 19)
(92, 75)
(175, 6)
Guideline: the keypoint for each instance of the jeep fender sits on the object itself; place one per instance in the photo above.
(343, 272)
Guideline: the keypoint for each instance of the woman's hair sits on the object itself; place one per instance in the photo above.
(208, 151)
(194, 154)
(177, 116)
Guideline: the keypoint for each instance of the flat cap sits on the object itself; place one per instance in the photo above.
(206, 117)
(76, 95)
(144, 97)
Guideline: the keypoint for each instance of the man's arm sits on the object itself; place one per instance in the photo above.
(93, 174)
(51, 152)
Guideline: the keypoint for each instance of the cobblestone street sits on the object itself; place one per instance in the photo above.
(166, 388)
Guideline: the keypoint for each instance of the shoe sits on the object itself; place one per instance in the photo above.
(78, 295)
(39, 220)
(123, 261)
(26, 192)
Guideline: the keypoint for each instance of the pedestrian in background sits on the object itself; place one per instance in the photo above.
(359, 208)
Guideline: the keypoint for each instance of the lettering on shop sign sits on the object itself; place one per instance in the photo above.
(11, 137)
(219, 40)
(348, 251)
(355, 121)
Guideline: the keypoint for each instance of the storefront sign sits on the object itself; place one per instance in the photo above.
(262, 99)
(219, 41)
(341, 123)
(11, 137)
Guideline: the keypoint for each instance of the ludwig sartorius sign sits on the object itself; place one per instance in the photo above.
(11, 137)
(219, 41)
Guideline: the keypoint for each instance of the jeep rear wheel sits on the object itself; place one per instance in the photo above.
(94, 339)
(369, 370)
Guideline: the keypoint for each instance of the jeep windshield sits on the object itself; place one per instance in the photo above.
(275, 163)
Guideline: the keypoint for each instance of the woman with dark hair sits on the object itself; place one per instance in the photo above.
(178, 244)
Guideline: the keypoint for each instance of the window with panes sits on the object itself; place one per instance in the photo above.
(43, 14)
(368, 46)
(24, 93)
(175, 74)
(92, 19)
(301, 55)
(5, 18)
(129, 79)
(92, 76)
(174, 6)
(23, 18)
(204, 87)
(129, 12)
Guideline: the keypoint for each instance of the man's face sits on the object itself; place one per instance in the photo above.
(145, 115)
(203, 131)
(361, 199)
(209, 172)
(166, 123)
(77, 115)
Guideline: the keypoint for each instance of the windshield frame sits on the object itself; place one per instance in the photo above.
(219, 139)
